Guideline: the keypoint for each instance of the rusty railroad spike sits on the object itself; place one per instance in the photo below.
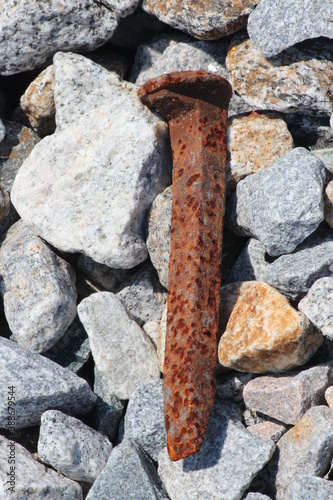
(195, 103)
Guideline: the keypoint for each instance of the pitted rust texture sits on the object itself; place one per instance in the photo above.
(195, 104)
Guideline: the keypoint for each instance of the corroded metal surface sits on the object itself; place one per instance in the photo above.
(195, 104)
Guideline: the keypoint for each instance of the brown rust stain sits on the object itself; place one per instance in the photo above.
(196, 102)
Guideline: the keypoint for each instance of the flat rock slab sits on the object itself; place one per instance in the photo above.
(275, 26)
(124, 356)
(38, 289)
(71, 447)
(223, 468)
(287, 397)
(33, 30)
(261, 332)
(144, 419)
(39, 385)
(87, 187)
(204, 20)
(129, 474)
(309, 487)
(317, 305)
(31, 479)
(293, 81)
(283, 204)
(306, 449)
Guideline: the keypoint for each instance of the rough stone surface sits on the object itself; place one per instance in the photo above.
(4, 203)
(254, 142)
(317, 305)
(263, 333)
(124, 356)
(326, 155)
(71, 447)
(268, 430)
(151, 329)
(329, 396)
(108, 414)
(38, 289)
(102, 275)
(129, 474)
(306, 449)
(282, 205)
(161, 338)
(2, 131)
(256, 496)
(228, 460)
(309, 487)
(32, 31)
(292, 274)
(72, 350)
(39, 385)
(204, 20)
(143, 296)
(87, 188)
(328, 204)
(287, 397)
(144, 419)
(14, 149)
(294, 81)
(275, 26)
(231, 386)
(122, 8)
(32, 479)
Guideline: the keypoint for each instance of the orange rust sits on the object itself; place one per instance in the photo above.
(195, 104)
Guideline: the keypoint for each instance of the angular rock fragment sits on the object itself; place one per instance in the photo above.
(326, 155)
(71, 447)
(231, 387)
(102, 275)
(328, 204)
(268, 430)
(87, 187)
(31, 479)
(306, 449)
(329, 396)
(107, 415)
(254, 142)
(287, 397)
(309, 487)
(256, 496)
(32, 31)
(282, 205)
(4, 203)
(38, 288)
(128, 474)
(122, 8)
(124, 356)
(38, 385)
(275, 26)
(317, 305)
(262, 332)
(144, 419)
(204, 20)
(294, 81)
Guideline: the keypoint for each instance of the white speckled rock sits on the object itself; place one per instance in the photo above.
(161, 338)
(122, 8)
(206, 20)
(38, 288)
(328, 203)
(309, 487)
(293, 81)
(128, 475)
(256, 496)
(71, 447)
(33, 30)
(283, 204)
(87, 188)
(274, 26)
(31, 479)
(317, 305)
(2, 130)
(124, 356)
(287, 397)
(39, 385)
(228, 460)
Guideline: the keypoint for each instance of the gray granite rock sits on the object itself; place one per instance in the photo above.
(269, 430)
(122, 8)
(292, 274)
(256, 496)
(2, 131)
(143, 296)
(306, 449)
(128, 475)
(317, 305)
(103, 276)
(309, 487)
(228, 460)
(107, 415)
(28, 478)
(326, 156)
(275, 26)
(124, 356)
(39, 385)
(72, 351)
(144, 419)
(283, 204)
(88, 190)
(204, 20)
(71, 447)
(231, 386)
(328, 204)
(293, 81)
(4, 203)
(38, 289)
(34, 30)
